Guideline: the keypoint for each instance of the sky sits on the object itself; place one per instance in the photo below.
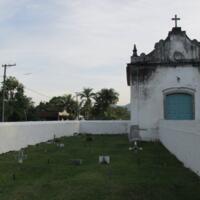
(62, 46)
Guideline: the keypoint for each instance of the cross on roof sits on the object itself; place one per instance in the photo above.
(176, 19)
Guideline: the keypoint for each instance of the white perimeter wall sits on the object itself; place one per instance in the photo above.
(182, 138)
(104, 127)
(16, 135)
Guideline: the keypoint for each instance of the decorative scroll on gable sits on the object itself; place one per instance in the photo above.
(177, 47)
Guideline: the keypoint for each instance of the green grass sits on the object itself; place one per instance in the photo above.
(152, 174)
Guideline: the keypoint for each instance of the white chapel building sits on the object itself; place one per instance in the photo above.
(165, 84)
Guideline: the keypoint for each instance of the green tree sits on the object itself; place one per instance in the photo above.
(103, 100)
(117, 113)
(86, 96)
(18, 107)
(49, 110)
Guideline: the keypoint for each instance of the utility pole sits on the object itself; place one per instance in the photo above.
(3, 91)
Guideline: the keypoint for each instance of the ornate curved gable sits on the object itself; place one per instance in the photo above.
(177, 47)
(176, 50)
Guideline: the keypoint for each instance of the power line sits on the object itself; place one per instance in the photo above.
(39, 93)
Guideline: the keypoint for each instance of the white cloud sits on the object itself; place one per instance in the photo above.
(71, 44)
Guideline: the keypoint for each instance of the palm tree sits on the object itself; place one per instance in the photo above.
(103, 100)
(60, 103)
(86, 96)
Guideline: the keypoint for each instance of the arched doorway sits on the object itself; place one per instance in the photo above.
(179, 106)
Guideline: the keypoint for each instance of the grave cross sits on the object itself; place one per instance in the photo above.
(21, 156)
(176, 19)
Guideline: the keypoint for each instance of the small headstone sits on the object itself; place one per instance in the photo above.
(134, 137)
(49, 142)
(61, 145)
(76, 162)
(55, 139)
(104, 159)
(76, 134)
(20, 160)
(134, 134)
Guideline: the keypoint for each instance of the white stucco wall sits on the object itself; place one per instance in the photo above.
(182, 138)
(104, 127)
(16, 135)
(147, 105)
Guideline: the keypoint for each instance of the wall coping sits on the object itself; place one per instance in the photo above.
(62, 122)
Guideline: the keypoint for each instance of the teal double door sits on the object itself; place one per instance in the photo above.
(179, 106)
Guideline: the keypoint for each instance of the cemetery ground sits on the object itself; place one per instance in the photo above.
(50, 172)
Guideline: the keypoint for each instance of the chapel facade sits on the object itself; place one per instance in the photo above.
(165, 84)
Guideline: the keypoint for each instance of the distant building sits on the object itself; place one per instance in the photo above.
(165, 84)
